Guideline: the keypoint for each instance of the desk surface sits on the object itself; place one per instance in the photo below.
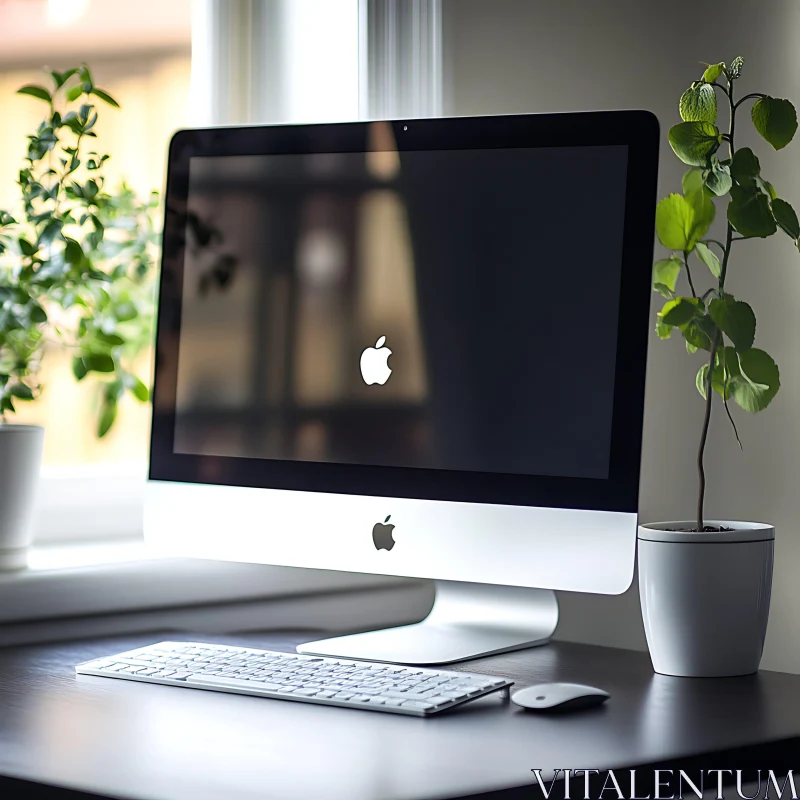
(129, 740)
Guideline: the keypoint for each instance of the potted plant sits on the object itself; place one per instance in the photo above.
(705, 584)
(76, 268)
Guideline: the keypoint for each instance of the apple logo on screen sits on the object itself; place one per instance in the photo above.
(382, 535)
(374, 363)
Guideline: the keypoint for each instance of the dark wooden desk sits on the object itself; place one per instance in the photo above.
(128, 740)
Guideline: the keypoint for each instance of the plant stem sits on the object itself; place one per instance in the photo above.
(749, 97)
(714, 345)
(689, 273)
(701, 473)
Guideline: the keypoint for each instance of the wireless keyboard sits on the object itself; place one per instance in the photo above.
(306, 679)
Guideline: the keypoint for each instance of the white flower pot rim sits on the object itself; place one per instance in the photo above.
(14, 427)
(741, 532)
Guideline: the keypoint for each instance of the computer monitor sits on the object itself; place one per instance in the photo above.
(410, 348)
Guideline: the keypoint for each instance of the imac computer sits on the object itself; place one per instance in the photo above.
(412, 348)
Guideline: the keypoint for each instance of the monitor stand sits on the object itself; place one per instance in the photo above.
(467, 620)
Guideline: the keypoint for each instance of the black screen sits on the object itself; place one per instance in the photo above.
(492, 275)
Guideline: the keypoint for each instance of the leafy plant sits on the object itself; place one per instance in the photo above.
(76, 261)
(713, 320)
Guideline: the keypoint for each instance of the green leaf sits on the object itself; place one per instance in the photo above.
(759, 383)
(682, 221)
(36, 91)
(785, 217)
(701, 381)
(693, 180)
(717, 381)
(105, 96)
(749, 212)
(73, 253)
(718, 178)
(736, 320)
(713, 71)
(111, 339)
(775, 120)
(38, 315)
(694, 142)
(98, 362)
(698, 104)
(113, 390)
(724, 387)
(60, 78)
(745, 166)
(726, 372)
(704, 210)
(679, 311)
(770, 189)
(79, 369)
(74, 93)
(698, 332)
(709, 258)
(663, 331)
(735, 69)
(108, 413)
(50, 231)
(137, 388)
(126, 311)
(86, 77)
(21, 391)
(665, 275)
(26, 247)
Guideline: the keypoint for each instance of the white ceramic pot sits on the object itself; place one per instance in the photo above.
(20, 464)
(705, 596)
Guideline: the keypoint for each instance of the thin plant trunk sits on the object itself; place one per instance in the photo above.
(701, 495)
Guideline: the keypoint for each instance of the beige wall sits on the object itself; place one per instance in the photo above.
(537, 55)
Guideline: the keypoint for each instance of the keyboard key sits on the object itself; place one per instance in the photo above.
(404, 695)
(440, 699)
(417, 704)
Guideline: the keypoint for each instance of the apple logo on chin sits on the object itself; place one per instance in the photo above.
(382, 535)
(374, 363)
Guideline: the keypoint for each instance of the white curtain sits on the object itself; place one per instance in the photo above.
(267, 61)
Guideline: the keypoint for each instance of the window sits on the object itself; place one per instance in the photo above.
(141, 53)
(171, 64)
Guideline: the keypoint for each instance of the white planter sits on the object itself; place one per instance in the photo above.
(20, 464)
(705, 597)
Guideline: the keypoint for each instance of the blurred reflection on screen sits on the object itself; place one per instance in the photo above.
(492, 274)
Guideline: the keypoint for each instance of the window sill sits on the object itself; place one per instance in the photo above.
(114, 492)
(114, 587)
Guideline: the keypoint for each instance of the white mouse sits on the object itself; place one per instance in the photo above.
(559, 696)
